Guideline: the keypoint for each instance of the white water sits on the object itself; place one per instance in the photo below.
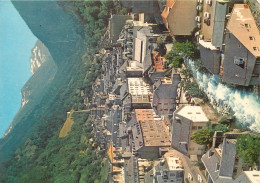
(244, 106)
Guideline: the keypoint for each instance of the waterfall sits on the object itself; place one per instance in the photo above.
(243, 105)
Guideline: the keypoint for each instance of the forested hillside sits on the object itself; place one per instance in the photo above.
(33, 152)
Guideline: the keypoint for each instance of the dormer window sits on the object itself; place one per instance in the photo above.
(251, 38)
(256, 48)
(247, 25)
(239, 61)
(217, 166)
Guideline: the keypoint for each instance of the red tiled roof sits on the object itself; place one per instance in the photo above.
(165, 13)
(158, 62)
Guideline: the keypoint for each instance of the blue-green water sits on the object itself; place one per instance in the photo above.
(16, 42)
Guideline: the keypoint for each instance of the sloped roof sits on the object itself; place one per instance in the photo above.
(194, 113)
(167, 90)
(225, 160)
(147, 63)
(165, 13)
(242, 25)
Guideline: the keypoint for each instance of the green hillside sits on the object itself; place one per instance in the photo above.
(32, 151)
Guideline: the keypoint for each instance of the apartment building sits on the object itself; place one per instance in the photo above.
(177, 11)
(149, 132)
(165, 94)
(186, 121)
(241, 64)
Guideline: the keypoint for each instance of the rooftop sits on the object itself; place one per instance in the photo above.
(207, 44)
(207, 30)
(153, 128)
(137, 86)
(242, 25)
(146, 114)
(134, 65)
(167, 88)
(220, 168)
(165, 13)
(194, 113)
(173, 162)
(158, 62)
(155, 133)
(253, 176)
(112, 154)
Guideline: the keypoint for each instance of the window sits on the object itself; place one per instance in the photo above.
(239, 61)
(235, 170)
(172, 174)
(217, 166)
(251, 37)
(194, 128)
(239, 46)
(199, 127)
(256, 48)
(247, 25)
(178, 120)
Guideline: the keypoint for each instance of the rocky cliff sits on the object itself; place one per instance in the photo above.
(58, 30)
(39, 55)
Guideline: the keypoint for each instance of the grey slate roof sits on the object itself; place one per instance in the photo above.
(155, 75)
(167, 90)
(147, 64)
(137, 135)
(219, 24)
(228, 159)
(180, 133)
(123, 90)
(226, 162)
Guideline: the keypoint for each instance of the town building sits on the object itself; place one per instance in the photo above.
(132, 68)
(186, 121)
(144, 42)
(149, 132)
(177, 11)
(249, 177)
(222, 163)
(139, 93)
(241, 64)
(169, 168)
(212, 24)
(165, 94)
(115, 164)
(154, 67)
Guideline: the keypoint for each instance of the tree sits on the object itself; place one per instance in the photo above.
(187, 73)
(248, 148)
(220, 127)
(203, 136)
(177, 61)
(186, 49)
